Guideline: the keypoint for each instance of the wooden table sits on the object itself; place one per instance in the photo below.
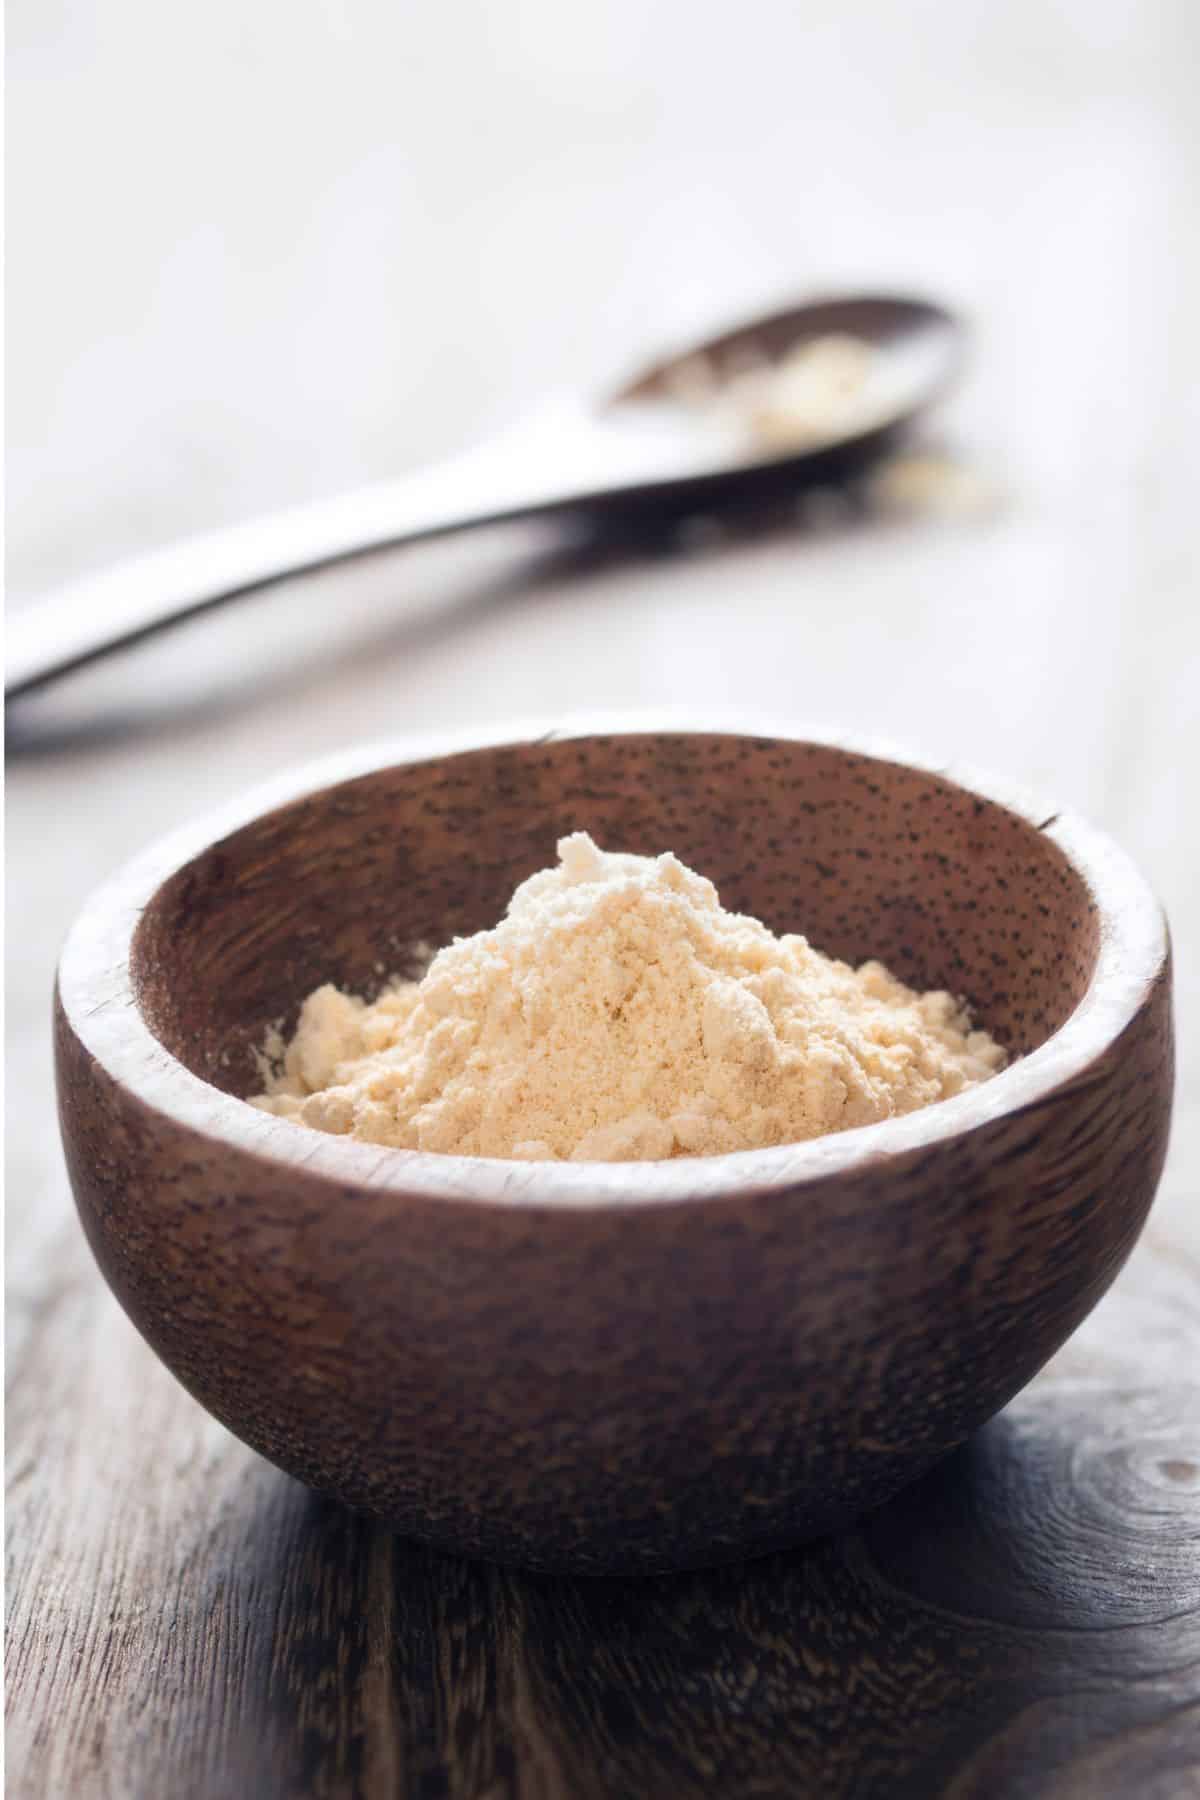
(186, 1622)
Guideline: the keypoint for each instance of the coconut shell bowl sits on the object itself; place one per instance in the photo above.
(614, 1367)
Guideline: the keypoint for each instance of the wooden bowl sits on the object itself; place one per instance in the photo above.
(610, 1367)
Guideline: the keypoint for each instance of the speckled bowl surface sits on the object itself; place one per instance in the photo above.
(605, 1367)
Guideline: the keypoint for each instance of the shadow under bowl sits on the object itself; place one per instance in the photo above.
(614, 1367)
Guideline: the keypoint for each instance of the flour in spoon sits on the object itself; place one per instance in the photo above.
(619, 1013)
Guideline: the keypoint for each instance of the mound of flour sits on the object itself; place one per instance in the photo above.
(616, 1013)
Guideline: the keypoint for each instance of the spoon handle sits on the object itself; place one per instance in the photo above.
(505, 478)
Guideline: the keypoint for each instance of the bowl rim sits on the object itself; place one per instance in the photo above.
(95, 990)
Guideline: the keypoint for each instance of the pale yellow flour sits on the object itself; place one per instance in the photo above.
(617, 1012)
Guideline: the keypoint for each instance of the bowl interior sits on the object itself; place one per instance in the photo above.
(867, 858)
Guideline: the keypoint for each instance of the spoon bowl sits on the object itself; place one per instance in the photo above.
(655, 447)
(605, 1367)
(924, 343)
(662, 443)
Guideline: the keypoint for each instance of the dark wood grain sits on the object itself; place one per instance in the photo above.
(1023, 1622)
